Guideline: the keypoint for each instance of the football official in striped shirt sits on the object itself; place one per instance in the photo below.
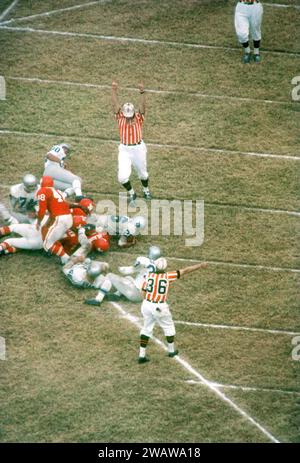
(155, 308)
(132, 149)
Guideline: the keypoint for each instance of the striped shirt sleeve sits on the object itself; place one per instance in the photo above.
(172, 276)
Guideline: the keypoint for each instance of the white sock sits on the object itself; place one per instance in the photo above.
(100, 296)
(247, 50)
(171, 347)
(256, 51)
(131, 192)
(142, 352)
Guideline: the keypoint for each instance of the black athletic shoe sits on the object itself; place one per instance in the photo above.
(172, 354)
(143, 360)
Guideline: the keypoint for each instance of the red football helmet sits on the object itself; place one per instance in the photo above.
(99, 243)
(47, 181)
(78, 221)
(88, 203)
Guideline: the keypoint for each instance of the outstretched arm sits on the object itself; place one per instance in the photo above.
(114, 97)
(192, 268)
(142, 108)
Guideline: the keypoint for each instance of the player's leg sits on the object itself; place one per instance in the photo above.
(6, 215)
(241, 23)
(124, 171)
(140, 165)
(125, 286)
(64, 179)
(255, 28)
(146, 331)
(165, 321)
(55, 232)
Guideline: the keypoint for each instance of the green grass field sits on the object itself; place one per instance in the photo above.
(71, 372)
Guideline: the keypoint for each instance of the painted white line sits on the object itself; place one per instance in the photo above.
(159, 92)
(280, 5)
(126, 315)
(236, 328)
(156, 145)
(112, 38)
(8, 10)
(247, 388)
(61, 10)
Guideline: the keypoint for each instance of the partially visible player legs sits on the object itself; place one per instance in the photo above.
(255, 28)
(242, 25)
(104, 285)
(56, 232)
(30, 238)
(64, 180)
(125, 286)
(124, 172)
(140, 164)
(6, 215)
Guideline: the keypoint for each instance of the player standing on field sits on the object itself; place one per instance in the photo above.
(248, 18)
(132, 149)
(155, 308)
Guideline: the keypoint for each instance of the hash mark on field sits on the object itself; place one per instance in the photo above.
(159, 92)
(199, 376)
(112, 38)
(158, 145)
(247, 388)
(50, 13)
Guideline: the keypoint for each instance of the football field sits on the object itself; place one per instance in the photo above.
(216, 130)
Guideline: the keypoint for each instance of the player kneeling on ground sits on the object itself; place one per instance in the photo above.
(155, 308)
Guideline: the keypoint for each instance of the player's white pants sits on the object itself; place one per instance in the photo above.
(63, 178)
(157, 313)
(57, 230)
(248, 18)
(135, 156)
(126, 286)
(31, 237)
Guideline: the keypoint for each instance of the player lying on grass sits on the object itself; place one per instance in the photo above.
(22, 202)
(125, 228)
(155, 308)
(130, 286)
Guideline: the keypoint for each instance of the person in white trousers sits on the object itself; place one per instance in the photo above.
(248, 20)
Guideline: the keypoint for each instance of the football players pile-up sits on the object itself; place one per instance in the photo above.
(40, 216)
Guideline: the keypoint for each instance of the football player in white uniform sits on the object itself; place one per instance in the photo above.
(64, 179)
(124, 227)
(130, 285)
(87, 273)
(30, 237)
(22, 202)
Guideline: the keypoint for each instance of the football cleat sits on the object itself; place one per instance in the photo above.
(246, 58)
(148, 195)
(172, 354)
(92, 302)
(132, 199)
(256, 58)
(143, 360)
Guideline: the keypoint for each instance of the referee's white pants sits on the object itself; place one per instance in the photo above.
(248, 18)
(57, 230)
(135, 156)
(157, 313)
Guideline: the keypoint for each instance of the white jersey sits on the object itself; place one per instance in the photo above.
(116, 225)
(21, 199)
(142, 266)
(78, 275)
(57, 151)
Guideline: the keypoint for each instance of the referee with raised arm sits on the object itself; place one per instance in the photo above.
(132, 149)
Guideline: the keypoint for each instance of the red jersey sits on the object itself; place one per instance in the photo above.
(156, 285)
(51, 200)
(130, 134)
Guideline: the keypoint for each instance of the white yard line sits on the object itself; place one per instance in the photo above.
(8, 10)
(132, 319)
(237, 328)
(158, 145)
(50, 13)
(159, 92)
(246, 388)
(112, 38)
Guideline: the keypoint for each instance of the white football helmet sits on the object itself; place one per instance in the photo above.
(161, 264)
(66, 147)
(139, 222)
(128, 110)
(94, 269)
(30, 182)
(154, 252)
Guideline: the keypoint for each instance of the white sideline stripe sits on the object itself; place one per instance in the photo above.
(246, 388)
(61, 10)
(8, 10)
(229, 264)
(280, 5)
(158, 145)
(113, 38)
(159, 92)
(237, 328)
(198, 375)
